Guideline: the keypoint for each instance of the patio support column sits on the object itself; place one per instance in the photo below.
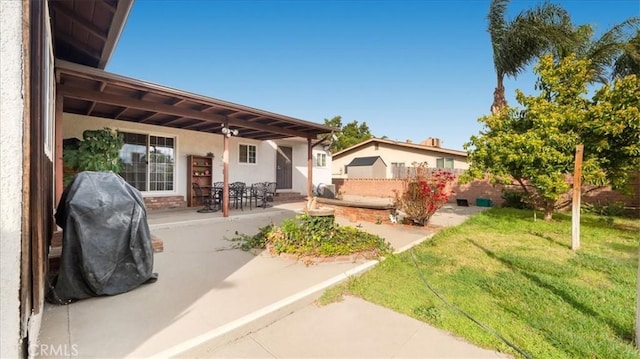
(225, 173)
(309, 168)
(58, 162)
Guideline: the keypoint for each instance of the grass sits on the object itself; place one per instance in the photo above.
(519, 278)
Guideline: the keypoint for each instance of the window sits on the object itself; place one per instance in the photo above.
(321, 160)
(247, 154)
(148, 161)
(444, 163)
(398, 170)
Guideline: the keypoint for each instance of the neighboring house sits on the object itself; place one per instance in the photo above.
(399, 157)
(366, 167)
(54, 87)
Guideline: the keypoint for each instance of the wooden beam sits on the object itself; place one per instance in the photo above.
(69, 41)
(117, 24)
(74, 17)
(101, 88)
(117, 100)
(225, 173)
(117, 116)
(58, 151)
(309, 169)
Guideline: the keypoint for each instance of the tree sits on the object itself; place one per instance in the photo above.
(349, 135)
(518, 42)
(605, 51)
(629, 61)
(534, 146)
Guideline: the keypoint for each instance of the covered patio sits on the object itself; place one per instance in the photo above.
(94, 92)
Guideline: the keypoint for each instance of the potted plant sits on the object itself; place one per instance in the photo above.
(99, 150)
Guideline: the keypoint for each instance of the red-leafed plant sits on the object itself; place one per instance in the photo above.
(424, 193)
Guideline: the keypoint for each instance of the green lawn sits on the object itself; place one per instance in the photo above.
(520, 278)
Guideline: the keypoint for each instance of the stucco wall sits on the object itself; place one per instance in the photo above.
(11, 97)
(199, 143)
(391, 153)
(299, 170)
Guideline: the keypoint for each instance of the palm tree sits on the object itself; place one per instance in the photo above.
(629, 61)
(615, 52)
(518, 42)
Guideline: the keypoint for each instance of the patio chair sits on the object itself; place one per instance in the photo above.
(256, 192)
(205, 198)
(217, 189)
(270, 193)
(236, 193)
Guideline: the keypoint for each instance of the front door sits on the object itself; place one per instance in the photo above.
(284, 167)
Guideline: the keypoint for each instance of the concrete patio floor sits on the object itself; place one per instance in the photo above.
(208, 293)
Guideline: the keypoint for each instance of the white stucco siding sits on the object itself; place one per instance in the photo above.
(199, 143)
(321, 174)
(299, 165)
(264, 170)
(187, 142)
(397, 154)
(11, 156)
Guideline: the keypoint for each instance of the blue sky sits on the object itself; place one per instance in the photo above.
(409, 69)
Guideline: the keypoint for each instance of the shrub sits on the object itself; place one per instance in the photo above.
(514, 199)
(307, 235)
(424, 194)
(613, 209)
(99, 150)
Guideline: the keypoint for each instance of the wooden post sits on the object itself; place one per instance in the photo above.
(58, 162)
(575, 213)
(309, 169)
(225, 174)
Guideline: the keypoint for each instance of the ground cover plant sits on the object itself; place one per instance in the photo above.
(520, 278)
(317, 236)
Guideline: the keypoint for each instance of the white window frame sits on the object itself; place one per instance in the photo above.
(444, 163)
(321, 159)
(149, 193)
(247, 162)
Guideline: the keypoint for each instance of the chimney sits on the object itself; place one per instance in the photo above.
(409, 141)
(431, 142)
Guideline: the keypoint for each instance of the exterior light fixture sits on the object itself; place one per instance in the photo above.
(229, 132)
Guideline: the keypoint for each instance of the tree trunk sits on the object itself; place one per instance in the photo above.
(548, 212)
(499, 101)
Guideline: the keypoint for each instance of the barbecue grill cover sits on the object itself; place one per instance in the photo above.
(106, 246)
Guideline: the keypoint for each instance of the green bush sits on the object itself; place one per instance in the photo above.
(307, 235)
(99, 150)
(613, 209)
(514, 199)
(247, 242)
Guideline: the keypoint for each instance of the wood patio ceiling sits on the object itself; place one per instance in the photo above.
(94, 92)
(86, 32)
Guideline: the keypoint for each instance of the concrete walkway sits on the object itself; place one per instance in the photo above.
(210, 294)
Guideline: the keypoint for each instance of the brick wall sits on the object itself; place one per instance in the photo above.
(368, 187)
(164, 202)
(371, 187)
(356, 214)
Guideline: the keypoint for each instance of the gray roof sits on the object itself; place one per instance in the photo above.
(364, 161)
